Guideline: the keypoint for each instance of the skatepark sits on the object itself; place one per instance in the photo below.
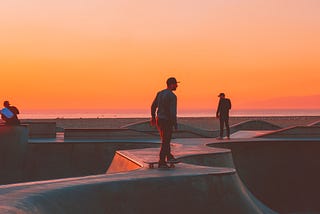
(262, 169)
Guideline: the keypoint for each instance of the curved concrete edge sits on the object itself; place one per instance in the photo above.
(212, 160)
(197, 157)
(316, 123)
(127, 160)
(204, 190)
(255, 125)
(294, 132)
(188, 188)
(186, 131)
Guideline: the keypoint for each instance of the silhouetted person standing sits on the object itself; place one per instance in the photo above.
(9, 114)
(165, 103)
(223, 114)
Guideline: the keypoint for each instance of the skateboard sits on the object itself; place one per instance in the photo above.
(152, 164)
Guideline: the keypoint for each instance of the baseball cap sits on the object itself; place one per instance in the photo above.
(172, 80)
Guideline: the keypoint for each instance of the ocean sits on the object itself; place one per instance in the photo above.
(54, 114)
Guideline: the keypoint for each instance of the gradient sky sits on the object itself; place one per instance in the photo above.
(102, 54)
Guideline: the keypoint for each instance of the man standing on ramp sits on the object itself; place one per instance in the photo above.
(223, 115)
(165, 103)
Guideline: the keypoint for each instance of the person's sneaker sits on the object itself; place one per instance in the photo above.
(228, 138)
(163, 166)
(219, 138)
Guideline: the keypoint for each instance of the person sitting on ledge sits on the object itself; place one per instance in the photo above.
(9, 114)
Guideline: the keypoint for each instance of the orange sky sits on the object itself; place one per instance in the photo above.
(116, 55)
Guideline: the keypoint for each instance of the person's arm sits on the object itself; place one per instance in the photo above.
(218, 110)
(154, 107)
(14, 110)
(229, 104)
(173, 112)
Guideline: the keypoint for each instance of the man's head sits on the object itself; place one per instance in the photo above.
(172, 83)
(222, 95)
(6, 104)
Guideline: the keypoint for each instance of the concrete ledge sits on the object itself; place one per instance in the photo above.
(104, 134)
(13, 151)
(191, 190)
(41, 129)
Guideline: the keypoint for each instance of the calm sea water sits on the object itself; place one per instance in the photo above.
(53, 114)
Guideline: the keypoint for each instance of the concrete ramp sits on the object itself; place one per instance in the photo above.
(317, 123)
(254, 125)
(186, 131)
(183, 131)
(182, 190)
(195, 186)
(248, 134)
(295, 132)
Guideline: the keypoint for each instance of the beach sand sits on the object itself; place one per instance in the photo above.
(207, 123)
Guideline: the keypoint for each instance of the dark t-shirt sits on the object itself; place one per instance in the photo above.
(223, 108)
(166, 105)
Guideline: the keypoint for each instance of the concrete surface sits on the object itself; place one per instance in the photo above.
(13, 150)
(206, 191)
(186, 131)
(294, 132)
(129, 187)
(184, 189)
(41, 129)
(283, 174)
(241, 175)
(42, 159)
(105, 134)
(249, 134)
(316, 123)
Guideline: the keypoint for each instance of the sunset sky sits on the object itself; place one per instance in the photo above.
(102, 54)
